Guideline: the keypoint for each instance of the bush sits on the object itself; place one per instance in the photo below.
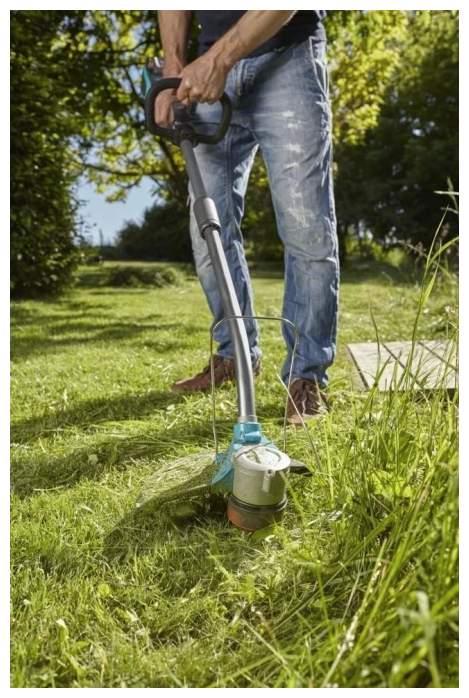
(162, 236)
(136, 277)
(42, 252)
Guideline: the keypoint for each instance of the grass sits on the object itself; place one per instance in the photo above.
(358, 588)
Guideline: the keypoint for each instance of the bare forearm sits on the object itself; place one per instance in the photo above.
(204, 80)
(174, 31)
(253, 29)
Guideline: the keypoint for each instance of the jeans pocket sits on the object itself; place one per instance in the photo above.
(317, 53)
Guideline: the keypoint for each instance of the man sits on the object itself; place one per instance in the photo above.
(272, 64)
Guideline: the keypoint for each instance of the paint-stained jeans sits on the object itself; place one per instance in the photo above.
(280, 104)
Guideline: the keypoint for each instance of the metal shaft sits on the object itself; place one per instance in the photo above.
(209, 227)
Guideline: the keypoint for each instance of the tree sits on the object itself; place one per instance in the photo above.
(123, 151)
(63, 91)
(388, 181)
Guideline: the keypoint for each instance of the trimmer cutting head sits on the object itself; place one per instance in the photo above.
(252, 472)
(252, 517)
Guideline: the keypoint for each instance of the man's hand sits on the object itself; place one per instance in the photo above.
(203, 80)
(163, 107)
(163, 110)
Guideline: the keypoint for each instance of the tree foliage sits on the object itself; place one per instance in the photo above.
(387, 181)
(161, 236)
(42, 206)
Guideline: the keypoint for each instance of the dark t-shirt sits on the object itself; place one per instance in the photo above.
(303, 24)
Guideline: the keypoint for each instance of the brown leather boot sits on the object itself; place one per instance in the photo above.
(309, 400)
(224, 370)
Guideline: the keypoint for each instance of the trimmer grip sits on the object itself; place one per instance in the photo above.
(153, 89)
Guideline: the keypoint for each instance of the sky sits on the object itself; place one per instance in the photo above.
(110, 217)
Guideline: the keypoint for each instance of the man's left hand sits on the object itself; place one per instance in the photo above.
(202, 81)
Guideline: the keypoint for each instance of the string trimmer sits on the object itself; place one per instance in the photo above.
(252, 470)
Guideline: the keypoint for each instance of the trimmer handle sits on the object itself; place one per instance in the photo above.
(173, 134)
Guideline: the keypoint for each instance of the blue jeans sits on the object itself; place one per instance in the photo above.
(280, 104)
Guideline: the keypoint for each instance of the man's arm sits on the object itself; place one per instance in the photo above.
(174, 31)
(253, 29)
(204, 79)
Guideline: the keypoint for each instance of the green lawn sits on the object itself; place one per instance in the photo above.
(358, 588)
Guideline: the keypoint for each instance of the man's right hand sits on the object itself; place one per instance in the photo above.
(175, 26)
(163, 111)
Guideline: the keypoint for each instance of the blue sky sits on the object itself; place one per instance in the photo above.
(110, 217)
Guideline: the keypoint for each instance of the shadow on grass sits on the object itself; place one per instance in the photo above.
(88, 414)
(25, 347)
(20, 314)
(139, 530)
